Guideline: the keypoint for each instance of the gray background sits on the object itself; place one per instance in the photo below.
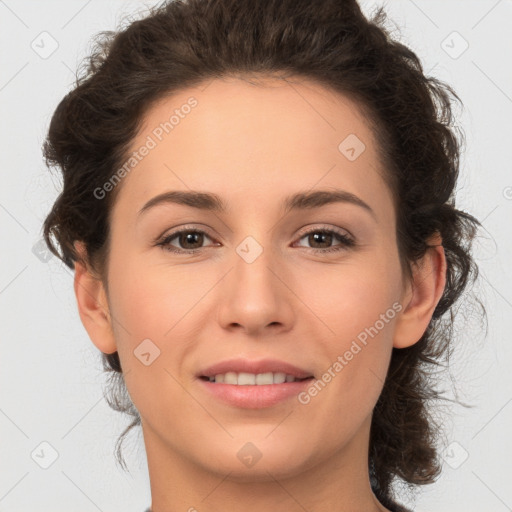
(51, 402)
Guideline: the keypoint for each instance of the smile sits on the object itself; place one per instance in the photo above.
(252, 379)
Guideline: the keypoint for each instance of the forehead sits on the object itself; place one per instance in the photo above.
(281, 113)
(260, 140)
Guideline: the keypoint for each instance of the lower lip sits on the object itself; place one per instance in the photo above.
(254, 396)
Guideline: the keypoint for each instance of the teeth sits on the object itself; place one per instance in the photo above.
(248, 379)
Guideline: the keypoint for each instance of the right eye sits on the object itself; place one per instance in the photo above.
(184, 236)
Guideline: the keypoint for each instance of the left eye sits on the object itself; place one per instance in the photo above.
(194, 237)
(317, 234)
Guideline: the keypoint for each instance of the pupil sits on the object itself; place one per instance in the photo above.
(187, 235)
(316, 235)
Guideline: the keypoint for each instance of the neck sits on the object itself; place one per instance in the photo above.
(339, 483)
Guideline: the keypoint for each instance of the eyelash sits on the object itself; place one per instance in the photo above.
(346, 242)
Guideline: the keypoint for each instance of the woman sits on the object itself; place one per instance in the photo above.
(281, 360)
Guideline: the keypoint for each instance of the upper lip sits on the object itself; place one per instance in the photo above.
(254, 366)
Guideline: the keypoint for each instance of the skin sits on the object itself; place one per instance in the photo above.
(253, 145)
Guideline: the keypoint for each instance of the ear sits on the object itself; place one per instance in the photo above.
(92, 304)
(422, 295)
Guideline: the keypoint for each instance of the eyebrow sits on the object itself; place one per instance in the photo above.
(298, 201)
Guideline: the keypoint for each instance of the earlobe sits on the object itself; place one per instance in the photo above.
(423, 295)
(92, 305)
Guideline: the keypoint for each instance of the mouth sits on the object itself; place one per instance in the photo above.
(252, 372)
(252, 379)
(253, 390)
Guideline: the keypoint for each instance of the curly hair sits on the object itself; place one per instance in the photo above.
(184, 43)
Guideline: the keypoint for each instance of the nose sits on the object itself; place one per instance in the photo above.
(257, 296)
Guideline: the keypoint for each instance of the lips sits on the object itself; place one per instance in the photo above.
(254, 366)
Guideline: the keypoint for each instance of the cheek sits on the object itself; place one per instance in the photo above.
(355, 354)
(150, 299)
(356, 295)
(152, 302)
(363, 308)
(359, 307)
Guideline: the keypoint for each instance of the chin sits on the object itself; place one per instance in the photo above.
(257, 460)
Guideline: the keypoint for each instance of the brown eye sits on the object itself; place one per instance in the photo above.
(326, 237)
(191, 241)
(185, 238)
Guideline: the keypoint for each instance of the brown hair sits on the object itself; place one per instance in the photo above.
(183, 43)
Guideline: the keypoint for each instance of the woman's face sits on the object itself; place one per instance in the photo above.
(255, 288)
